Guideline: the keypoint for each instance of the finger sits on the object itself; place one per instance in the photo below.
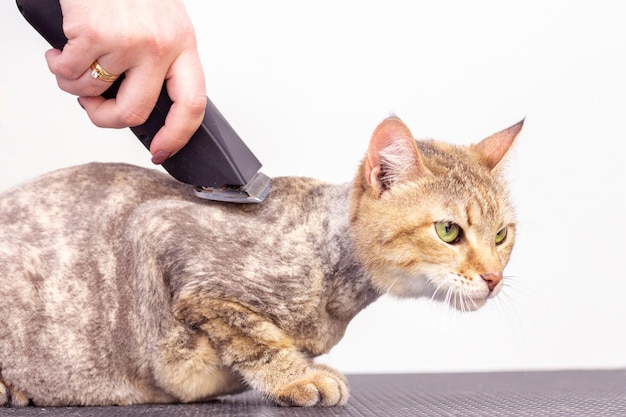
(90, 104)
(187, 90)
(133, 103)
(52, 57)
(73, 61)
(85, 84)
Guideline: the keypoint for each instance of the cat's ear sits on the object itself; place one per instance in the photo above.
(392, 156)
(490, 151)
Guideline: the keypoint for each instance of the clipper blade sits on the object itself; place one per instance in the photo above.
(254, 191)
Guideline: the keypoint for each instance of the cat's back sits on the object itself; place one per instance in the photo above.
(94, 188)
(80, 216)
(68, 207)
(111, 190)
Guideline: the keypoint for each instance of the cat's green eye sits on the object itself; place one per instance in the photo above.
(448, 232)
(501, 235)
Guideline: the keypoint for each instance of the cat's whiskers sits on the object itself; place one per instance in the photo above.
(461, 297)
(442, 298)
(476, 306)
(508, 285)
(517, 285)
(432, 297)
(505, 300)
(511, 310)
(448, 297)
(470, 304)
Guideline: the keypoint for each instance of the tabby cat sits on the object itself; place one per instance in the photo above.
(118, 286)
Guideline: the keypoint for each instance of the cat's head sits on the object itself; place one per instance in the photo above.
(434, 219)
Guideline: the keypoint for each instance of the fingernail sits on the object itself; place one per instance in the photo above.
(80, 104)
(160, 157)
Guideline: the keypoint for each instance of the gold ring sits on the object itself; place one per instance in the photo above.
(98, 72)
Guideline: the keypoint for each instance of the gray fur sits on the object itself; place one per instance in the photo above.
(94, 258)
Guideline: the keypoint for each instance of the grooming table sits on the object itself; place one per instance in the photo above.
(553, 393)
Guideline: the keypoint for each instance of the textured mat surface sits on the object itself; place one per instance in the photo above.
(568, 393)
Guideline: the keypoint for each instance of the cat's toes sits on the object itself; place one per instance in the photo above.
(10, 397)
(19, 399)
(320, 386)
(4, 395)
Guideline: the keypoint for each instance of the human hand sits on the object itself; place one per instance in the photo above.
(148, 40)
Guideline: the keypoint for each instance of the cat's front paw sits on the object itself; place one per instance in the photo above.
(320, 386)
(11, 397)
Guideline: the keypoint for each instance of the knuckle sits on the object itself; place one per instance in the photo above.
(134, 117)
(65, 72)
(96, 121)
(197, 104)
(161, 44)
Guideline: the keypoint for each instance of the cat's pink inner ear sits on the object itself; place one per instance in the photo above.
(493, 149)
(392, 154)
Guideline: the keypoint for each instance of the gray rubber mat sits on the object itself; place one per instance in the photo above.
(567, 393)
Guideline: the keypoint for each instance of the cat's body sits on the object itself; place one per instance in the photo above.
(118, 286)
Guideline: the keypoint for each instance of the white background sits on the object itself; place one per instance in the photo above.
(305, 83)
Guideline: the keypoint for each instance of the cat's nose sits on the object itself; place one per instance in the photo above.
(492, 279)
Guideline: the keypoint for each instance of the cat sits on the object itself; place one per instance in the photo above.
(118, 286)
